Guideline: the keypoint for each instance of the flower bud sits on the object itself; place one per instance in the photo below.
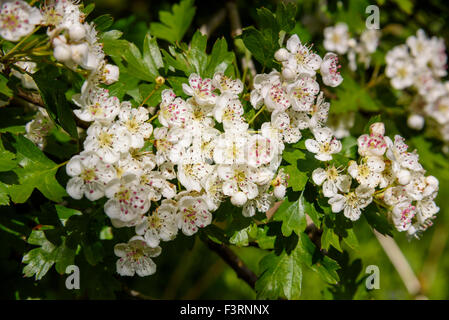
(404, 177)
(110, 74)
(79, 53)
(279, 191)
(281, 55)
(415, 121)
(62, 53)
(288, 74)
(77, 32)
(377, 129)
(239, 199)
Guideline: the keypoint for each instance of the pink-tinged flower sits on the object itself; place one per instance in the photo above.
(329, 70)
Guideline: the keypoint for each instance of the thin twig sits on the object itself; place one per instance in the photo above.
(214, 22)
(400, 263)
(242, 271)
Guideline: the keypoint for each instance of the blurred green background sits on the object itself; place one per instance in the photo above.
(188, 269)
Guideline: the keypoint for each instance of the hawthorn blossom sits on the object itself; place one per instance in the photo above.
(324, 144)
(89, 176)
(134, 122)
(302, 92)
(18, 19)
(226, 84)
(107, 141)
(96, 104)
(159, 225)
(329, 70)
(336, 38)
(193, 213)
(369, 172)
(200, 89)
(332, 180)
(135, 257)
(128, 201)
(300, 59)
(353, 202)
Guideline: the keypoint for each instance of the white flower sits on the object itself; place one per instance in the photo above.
(96, 104)
(329, 70)
(262, 203)
(38, 128)
(230, 148)
(353, 202)
(370, 39)
(319, 112)
(193, 213)
(28, 67)
(421, 187)
(107, 141)
(160, 225)
(239, 183)
(395, 195)
(439, 110)
(426, 208)
(276, 98)
(226, 84)
(229, 111)
(301, 59)
(18, 19)
(375, 143)
(397, 153)
(324, 144)
(420, 47)
(89, 176)
(368, 172)
(336, 38)
(135, 257)
(173, 111)
(157, 185)
(134, 121)
(262, 84)
(110, 74)
(401, 73)
(170, 144)
(128, 201)
(332, 181)
(260, 150)
(403, 213)
(200, 89)
(302, 92)
(415, 121)
(190, 175)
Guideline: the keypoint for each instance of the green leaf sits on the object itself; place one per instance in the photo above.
(281, 276)
(65, 213)
(293, 155)
(174, 24)
(315, 260)
(7, 160)
(4, 89)
(328, 238)
(219, 59)
(4, 198)
(285, 16)
(103, 22)
(35, 170)
(40, 260)
(152, 54)
(297, 179)
(262, 49)
(53, 94)
(292, 216)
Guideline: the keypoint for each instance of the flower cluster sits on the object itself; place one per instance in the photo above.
(420, 64)
(205, 143)
(337, 38)
(388, 174)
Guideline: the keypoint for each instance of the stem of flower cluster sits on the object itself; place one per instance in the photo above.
(257, 114)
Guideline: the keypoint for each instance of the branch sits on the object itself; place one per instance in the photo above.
(243, 272)
(400, 263)
(215, 21)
